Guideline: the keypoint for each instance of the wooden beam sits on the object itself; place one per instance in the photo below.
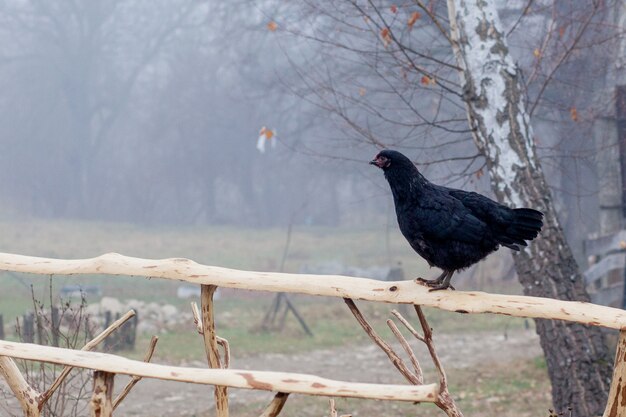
(398, 292)
(260, 380)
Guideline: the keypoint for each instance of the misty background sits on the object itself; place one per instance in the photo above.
(148, 112)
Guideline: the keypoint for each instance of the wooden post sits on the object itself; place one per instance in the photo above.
(101, 399)
(616, 406)
(210, 345)
(28, 328)
(24, 393)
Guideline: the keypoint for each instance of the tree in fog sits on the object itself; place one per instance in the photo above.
(76, 66)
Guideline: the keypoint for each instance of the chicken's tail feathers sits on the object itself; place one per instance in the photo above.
(525, 225)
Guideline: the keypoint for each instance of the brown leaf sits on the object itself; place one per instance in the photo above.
(426, 80)
(537, 53)
(573, 113)
(272, 26)
(479, 173)
(394, 8)
(386, 35)
(362, 91)
(413, 18)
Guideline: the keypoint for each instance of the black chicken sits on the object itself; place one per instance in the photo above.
(452, 229)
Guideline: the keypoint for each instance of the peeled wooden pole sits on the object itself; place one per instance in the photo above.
(210, 345)
(24, 393)
(260, 380)
(407, 292)
(101, 400)
(616, 406)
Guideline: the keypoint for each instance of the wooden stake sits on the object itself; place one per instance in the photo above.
(101, 403)
(210, 345)
(24, 393)
(616, 406)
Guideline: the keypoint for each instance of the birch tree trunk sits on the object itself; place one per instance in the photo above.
(578, 362)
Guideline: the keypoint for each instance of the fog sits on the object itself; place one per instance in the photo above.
(148, 112)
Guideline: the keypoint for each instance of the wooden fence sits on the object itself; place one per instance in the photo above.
(218, 352)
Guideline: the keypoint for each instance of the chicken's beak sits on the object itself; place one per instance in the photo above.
(373, 162)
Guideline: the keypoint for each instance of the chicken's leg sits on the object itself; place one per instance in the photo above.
(442, 282)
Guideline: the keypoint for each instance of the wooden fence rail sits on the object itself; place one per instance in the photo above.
(348, 288)
(246, 379)
(398, 292)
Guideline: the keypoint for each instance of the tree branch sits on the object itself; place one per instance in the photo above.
(135, 379)
(276, 406)
(391, 354)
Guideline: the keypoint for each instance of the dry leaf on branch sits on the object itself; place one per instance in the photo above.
(415, 16)
(385, 34)
(426, 80)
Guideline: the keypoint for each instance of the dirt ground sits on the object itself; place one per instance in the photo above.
(470, 355)
(361, 363)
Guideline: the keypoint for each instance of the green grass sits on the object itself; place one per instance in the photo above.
(329, 319)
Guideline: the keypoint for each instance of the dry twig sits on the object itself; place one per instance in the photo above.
(391, 354)
(333, 410)
(276, 406)
(444, 400)
(407, 348)
(220, 340)
(135, 379)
